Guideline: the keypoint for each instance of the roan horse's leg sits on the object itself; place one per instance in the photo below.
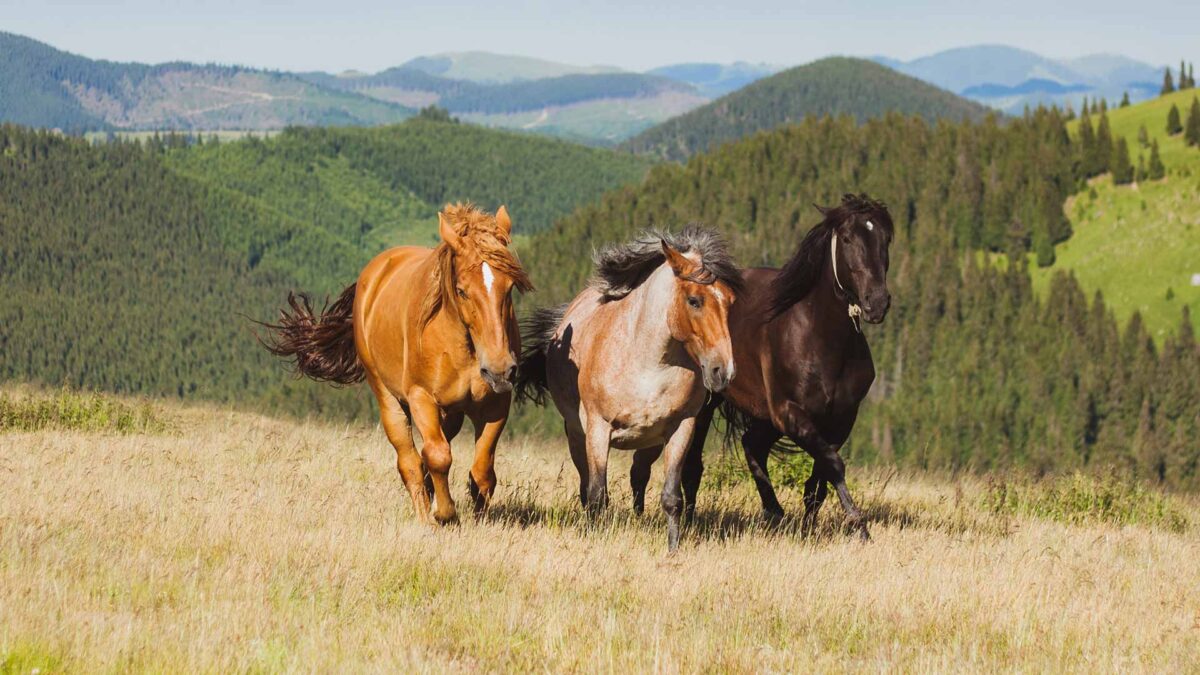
(435, 449)
(639, 475)
(599, 431)
(489, 421)
(578, 446)
(756, 443)
(408, 462)
(672, 494)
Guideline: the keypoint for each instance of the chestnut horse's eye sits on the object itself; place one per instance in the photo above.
(461, 293)
(694, 301)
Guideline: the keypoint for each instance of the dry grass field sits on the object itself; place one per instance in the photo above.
(231, 543)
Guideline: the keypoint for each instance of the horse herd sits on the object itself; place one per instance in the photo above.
(669, 331)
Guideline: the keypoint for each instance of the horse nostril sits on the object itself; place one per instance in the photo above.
(511, 375)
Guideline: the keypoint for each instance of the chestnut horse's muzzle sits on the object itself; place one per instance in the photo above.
(499, 382)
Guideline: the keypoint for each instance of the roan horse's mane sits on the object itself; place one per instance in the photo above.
(480, 233)
(621, 268)
(801, 272)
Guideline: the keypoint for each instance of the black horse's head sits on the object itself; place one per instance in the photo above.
(860, 236)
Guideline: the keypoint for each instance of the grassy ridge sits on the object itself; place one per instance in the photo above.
(249, 544)
(1139, 244)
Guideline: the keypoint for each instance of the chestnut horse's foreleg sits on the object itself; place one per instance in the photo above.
(435, 450)
(639, 475)
(756, 444)
(408, 462)
(489, 421)
(599, 431)
(674, 454)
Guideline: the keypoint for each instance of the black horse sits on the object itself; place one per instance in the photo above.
(803, 364)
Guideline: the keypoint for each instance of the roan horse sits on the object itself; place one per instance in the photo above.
(434, 333)
(628, 361)
(803, 364)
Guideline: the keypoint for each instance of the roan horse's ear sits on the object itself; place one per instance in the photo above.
(503, 221)
(680, 264)
(447, 233)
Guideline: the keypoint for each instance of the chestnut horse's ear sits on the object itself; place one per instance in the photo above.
(503, 221)
(447, 233)
(680, 264)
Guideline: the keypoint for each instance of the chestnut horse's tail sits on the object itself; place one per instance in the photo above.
(321, 346)
(536, 333)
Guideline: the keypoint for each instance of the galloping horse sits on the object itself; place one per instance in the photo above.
(628, 361)
(434, 333)
(803, 364)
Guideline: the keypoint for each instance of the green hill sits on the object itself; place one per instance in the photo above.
(45, 87)
(1140, 244)
(132, 267)
(831, 86)
(975, 370)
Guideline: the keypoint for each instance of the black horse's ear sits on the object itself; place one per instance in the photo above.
(823, 209)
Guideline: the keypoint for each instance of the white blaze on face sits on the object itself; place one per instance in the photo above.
(870, 226)
(488, 277)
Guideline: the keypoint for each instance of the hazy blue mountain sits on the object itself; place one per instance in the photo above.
(490, 68)
(716, 79)
(1034, 86)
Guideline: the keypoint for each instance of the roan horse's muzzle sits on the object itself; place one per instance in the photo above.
(717, 377)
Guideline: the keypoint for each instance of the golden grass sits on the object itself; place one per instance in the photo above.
(250, 544)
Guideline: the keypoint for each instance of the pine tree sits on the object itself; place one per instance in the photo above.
(1141, 168)
(1087, 144)
(1122, 168)
(1174, 126)
(1168, 85)
(1183, 81)
(1191, 75)
(1104, 146)
(1125, 100)
(1156, 170)
(1143, 136)
(1191, 134)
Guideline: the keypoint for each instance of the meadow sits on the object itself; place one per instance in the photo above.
(221, 541)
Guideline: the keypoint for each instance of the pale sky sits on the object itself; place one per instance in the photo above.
(371, 35)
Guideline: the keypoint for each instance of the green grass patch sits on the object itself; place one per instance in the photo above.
(1080, 499)
(79, 411)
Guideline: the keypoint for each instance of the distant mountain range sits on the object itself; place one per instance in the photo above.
(831, 86)
(716, 79)
(1009, 79)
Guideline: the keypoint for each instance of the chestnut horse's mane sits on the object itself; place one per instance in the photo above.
(623, 267)
(482, 236)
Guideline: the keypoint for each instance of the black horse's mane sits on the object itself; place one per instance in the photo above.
(800, 274)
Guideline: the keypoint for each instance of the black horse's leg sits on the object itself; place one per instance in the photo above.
(836, 471)
(827, 466)
(693, 464)
(756, 443)
(639, 475)
(814, 495)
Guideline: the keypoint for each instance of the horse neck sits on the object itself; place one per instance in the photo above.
(649, 305)
(827, 301)
(446, 323)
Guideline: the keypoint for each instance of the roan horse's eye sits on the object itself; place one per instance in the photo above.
(695, 301)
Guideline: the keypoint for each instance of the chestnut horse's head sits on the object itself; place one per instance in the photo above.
(859, 243)
(478, 273)
(699, 315)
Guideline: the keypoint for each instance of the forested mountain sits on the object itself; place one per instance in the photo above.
(492, 68)
(716, 79)
(976, 371)
(44, 87)
(136, 267)
(831, 86)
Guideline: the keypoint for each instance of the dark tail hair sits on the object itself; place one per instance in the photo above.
(737, 421)
(536, 332)
(320, 345)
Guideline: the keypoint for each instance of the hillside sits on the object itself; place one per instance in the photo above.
(716, 79)
(45, 87)
(832, 86)
(133, 267)
(1140, 244)
(1047, 381)
(491, 68)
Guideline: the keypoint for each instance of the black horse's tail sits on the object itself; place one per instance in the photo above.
(536, 333)
(737, 421)
(320, 344)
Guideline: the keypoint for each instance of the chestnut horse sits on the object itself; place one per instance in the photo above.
(804, 366)
(434, 333)
(628, 361)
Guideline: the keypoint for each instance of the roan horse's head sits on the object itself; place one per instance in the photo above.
(478, 273)
(698, 315)
(861, 234)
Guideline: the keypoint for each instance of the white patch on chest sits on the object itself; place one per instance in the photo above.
(488, 277)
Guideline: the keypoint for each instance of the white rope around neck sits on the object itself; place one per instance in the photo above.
(854, 310)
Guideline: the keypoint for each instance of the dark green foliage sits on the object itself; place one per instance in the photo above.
(1122, 167)
(1156, 169)
(831, 86)
(1125, 100)
(1191, 130)
(1143, 136)
(974, 370)
(78, 411)
(1140, 174)
(1168, 84)
(1102, 160)
(1174, 124)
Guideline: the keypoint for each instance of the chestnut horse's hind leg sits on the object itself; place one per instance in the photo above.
(408, 462)
(756, 443)
(639, 475)
(435, 450)
(488, 423)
